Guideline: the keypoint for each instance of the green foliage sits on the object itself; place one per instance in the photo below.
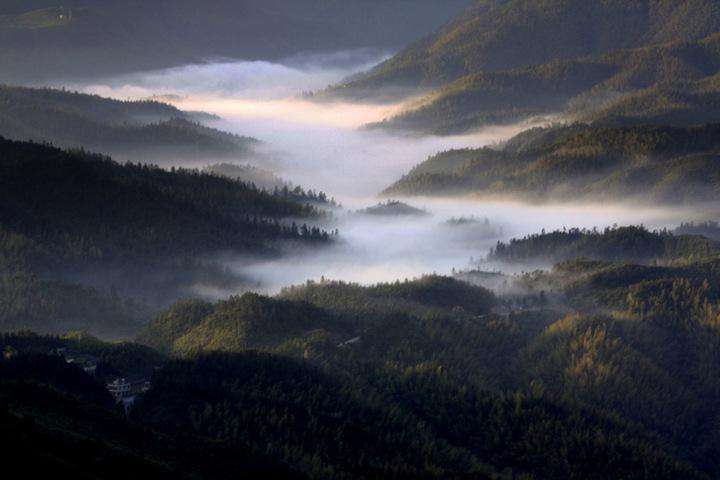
(161, 213)
(416, 424)
(665, 164)
(421, 380)
(505, 35)
(70, 221)
(341, 310)
(619, 244)
(393, 208)
(57, 420)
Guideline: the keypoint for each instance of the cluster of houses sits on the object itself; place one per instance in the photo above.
(124, 390)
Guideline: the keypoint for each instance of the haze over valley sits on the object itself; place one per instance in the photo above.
(368, 239)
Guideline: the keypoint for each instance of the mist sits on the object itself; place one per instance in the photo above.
(322, 146)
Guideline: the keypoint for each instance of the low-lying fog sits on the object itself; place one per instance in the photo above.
(322, 147)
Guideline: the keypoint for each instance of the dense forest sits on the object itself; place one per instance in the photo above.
(41, 39)
(612, 373)
(393, 208)
(665, 164)
(157, 322)
(146, 131)
(268, 181)
(670, 84)
(70, 218)
(621, 244)
(500, 35)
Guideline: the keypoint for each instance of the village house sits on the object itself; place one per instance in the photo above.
(125, 391)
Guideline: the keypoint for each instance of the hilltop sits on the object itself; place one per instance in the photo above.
(675, 84)
(129, 130)
(579, 162)
(501, 35)
(87, 243)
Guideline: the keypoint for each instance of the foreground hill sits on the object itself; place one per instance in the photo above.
(58, 420)
(41, 39)
(139, 131)
(496, 35)
(593, 369)
(431, 352)
(69, 218)
(646, 163)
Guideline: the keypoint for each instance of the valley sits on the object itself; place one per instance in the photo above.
(360, 240)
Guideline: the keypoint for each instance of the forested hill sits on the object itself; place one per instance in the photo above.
(427, 378)
(498, 35)
(674, 83)
(137, 131)
(645, 163)
(89, 205)
(44, 39)
(622, 244)
(71, 220)
(434, 350)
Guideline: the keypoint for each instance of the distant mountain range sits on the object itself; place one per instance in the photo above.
(503, 61)
(142, 131)
(41, 39)
(500, 35)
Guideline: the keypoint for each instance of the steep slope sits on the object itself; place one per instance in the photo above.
(138, 131)
(644, 163)
(71, 220)
(496, 35)
(674, 83)
(57, 420)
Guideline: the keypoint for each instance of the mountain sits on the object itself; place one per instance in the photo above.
(255, 322)
(592, 369)
(645, 163)
(42, 39)
(291, 419)
(77, 225)
(58, 420)
(675, 83)
(637, 347)
(145, 131)
(503, 35)
(267, 180)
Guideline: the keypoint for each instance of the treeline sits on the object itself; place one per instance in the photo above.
(299, 194)
(631, 63)
(267, 180)
(70, 218)
(435, 378)
(666, 164)
(138, 130)
(393, 208)
(491, 37)
(671, 84)
(340, 310)
(88, 206)
(618, 244)
(359, 416)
